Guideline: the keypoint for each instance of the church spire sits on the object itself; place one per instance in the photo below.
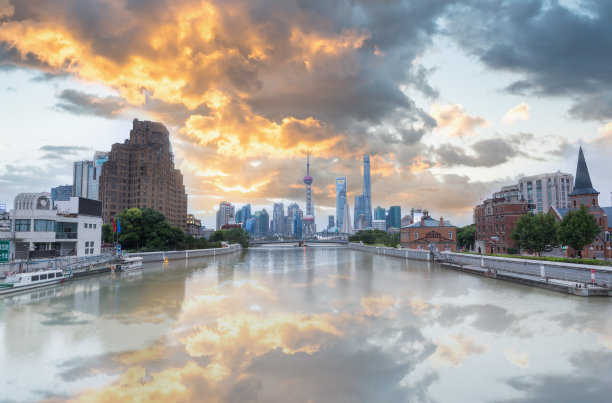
(582, 185)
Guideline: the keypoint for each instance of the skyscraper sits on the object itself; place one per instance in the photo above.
(60, 193)
(309, 221)
(395, 217)
(86, 176)
(367, 189)
(278, 219)
(359, 209)
(379, 213)
(293, 210)
(225, 214)
(347, 228)
(340, 201)
(140, 173)
(245, 213)
(331, 223)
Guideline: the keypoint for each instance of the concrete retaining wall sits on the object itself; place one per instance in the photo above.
(185, 254)
(404, 253)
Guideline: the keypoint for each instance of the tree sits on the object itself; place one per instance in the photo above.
(466, 236)
(376, 237)
(535, 233)
(578, 229)
(107, 233)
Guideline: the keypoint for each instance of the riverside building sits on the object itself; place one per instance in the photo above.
(495, 219)
(546, 190)
(140, 173)
(39, 230)
(428, 231)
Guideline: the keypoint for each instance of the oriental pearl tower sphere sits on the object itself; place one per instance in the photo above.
(309, 225)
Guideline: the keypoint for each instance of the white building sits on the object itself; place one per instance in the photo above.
(546, 190)
(225, 214)
(379, 224)
(36, 229)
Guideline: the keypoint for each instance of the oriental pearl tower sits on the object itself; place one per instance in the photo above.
(309, 224)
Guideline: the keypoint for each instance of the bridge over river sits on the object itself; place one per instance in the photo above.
(299, 242)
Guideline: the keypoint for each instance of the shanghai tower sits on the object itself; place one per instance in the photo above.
(367, 189)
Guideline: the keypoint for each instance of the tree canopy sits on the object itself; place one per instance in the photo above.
(578, 229)
(535, 233)
(466, 236)
(376, 237)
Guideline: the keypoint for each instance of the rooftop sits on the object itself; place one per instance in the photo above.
(583, 184)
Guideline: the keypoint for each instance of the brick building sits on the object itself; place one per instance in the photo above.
(429, 231)
(584, 194)
(140, 173)
(495, 220)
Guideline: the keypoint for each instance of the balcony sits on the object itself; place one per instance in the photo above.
(66, 235)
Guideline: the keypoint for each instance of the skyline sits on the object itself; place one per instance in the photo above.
(442, 105)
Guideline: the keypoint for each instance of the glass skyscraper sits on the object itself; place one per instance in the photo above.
(379, 213)
(367, 189)
(360, 209)
(340, 201)
(395, 217)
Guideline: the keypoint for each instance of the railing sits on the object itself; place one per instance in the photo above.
(66, 264)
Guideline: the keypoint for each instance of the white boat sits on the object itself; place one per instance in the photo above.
(129, 264)
(27, 281)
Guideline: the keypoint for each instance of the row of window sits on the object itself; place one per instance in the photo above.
(47, 276)
(89, 225)
(450, 235)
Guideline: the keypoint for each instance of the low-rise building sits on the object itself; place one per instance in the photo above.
(495, 220)
(379, 224)
(428, 231)
(194, 226)
(37, 229)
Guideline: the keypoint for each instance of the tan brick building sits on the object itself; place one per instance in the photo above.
(495, 220)
(429, 231)
(140, 173)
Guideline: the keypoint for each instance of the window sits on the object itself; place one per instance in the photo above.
(87, 244)
(43, 276)
(94, 226)
(85, 225)
(416, 235)
(87, 251)
(34, 278)
(44, 225)
(23, 225)
(51, 275)
(450, 234)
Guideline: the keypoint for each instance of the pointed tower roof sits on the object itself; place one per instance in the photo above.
(582, 185)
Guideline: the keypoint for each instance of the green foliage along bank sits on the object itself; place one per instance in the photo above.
(149, 230)
(376, 237)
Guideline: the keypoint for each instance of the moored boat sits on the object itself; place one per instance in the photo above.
(129, 264)
(27, 281)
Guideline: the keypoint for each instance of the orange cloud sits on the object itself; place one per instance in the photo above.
(519, 112)
(455, 121)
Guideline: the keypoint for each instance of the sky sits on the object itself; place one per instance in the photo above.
(452, 99)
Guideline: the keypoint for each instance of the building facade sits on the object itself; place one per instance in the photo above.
(38, 230)
(583, 194)
(546, 190)
(379, 224)
(394, 217)
(62, 193)
(194, 226)
(340, 201)
(278, 219)
(225, 214)
(380, 213)
(495, 220)
(140, 173)
(428, 231)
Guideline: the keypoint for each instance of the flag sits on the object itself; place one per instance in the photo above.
(118, 227)
(114, 226)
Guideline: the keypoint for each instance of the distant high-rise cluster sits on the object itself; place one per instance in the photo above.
(86, 176)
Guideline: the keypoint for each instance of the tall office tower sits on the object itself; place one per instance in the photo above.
(546, 190)
(359, 209)
(367, 189)
(379, 213)
(309, 220)
(245, 212)
(395, 217)
(60, 193)
(331, 223)
(293, 210)
(80, 177)
(140, 173)
(238, 217)
(362, 223)
(262, 222)
(225, 214)
(278, 219)
(340, 201)
(347, 228)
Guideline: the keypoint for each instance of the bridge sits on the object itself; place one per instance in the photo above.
(299, 242)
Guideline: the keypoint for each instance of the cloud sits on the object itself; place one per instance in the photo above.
(80, 103)
(519, 112)
(455, 120)
(378, 307)
(519, 359)
(6, 9)
(453, 350)
(487, 153)
(554, 50)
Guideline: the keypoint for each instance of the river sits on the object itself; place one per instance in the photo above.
(289, 324)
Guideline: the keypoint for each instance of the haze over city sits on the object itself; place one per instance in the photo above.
(449, 109)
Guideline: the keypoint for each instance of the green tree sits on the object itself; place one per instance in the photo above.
(466, 236)
(578, 229)
(107, 233)
(535, 233)
(376, 237)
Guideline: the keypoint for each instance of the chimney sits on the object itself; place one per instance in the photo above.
(441, 222)
(422, 220)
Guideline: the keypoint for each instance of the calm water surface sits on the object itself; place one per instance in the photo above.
(303, 325)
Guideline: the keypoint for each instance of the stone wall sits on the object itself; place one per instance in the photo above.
(185, 254)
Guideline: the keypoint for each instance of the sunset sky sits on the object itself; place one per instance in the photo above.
(451, 98)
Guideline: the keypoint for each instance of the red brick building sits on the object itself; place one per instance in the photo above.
(495, 219)
(429, 231)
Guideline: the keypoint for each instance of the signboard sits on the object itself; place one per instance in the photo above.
(5, 223)
(118, 248)
(2, 208)
(5, 249)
